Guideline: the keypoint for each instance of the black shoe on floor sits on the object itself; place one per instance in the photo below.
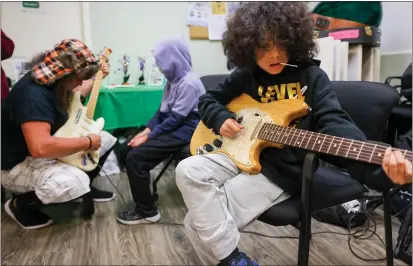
(99, 195)
(27, 217)
(139, 217)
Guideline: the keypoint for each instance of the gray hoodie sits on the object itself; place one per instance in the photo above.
(178, 113)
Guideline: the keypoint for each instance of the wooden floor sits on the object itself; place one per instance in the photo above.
(102, 241)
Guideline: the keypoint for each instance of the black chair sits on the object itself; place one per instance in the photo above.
(210, 81)
(325, 187)
(400, 120)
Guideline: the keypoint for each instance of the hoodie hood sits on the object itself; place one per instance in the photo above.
(173, 58)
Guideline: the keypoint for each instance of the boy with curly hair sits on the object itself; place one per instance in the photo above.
(261, 37)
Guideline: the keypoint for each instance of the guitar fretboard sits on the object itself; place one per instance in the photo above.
(94, 94)
(346, 148)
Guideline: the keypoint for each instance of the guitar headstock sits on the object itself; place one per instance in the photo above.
(104, 55)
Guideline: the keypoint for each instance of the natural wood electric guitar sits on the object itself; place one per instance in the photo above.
(81, 123)
(267, 125)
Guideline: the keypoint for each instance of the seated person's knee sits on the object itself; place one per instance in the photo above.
(65, 187)
(132, 157)
(188, 169)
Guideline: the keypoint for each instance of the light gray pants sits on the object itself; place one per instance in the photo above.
(221, 200)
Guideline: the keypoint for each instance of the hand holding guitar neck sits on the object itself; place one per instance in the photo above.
(105, 67)
(397, 167)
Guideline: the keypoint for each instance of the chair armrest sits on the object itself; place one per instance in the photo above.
(389, 79)
(309, 168)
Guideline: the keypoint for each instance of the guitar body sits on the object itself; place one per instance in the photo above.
(79, 125)
(245, 149)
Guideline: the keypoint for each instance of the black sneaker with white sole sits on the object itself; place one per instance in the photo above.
(139, 217)
(27, 217)
(99, 195)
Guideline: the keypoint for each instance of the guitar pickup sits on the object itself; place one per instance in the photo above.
(255, 131)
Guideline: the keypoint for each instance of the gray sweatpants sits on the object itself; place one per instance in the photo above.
(221, 200)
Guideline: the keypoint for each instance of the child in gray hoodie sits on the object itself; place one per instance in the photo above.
(168, 131)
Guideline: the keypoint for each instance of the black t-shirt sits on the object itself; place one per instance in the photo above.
(27, 101)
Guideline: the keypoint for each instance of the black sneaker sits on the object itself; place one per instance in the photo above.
(28, 218)
(139, 217)
(99, 195)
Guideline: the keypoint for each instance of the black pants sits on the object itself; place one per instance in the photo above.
(140, 160)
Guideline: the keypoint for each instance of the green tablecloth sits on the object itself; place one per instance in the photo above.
(123, 107)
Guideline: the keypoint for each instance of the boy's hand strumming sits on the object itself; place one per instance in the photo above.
(230, 128)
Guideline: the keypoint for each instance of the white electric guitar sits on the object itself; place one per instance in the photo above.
(81, 123)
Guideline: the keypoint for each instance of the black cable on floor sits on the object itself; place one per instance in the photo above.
(359, 234)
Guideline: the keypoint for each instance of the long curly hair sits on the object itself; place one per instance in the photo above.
(256, 25)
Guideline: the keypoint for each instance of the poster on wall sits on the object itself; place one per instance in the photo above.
(217, 20)
(198, 13)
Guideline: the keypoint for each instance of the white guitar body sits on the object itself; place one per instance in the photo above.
(79, 125)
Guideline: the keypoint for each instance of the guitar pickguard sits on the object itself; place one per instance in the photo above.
(251, 118)
(79, 125)
(245, 149)
(239, 147)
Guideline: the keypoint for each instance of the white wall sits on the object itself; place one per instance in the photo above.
(34, 31)
(396, 28)
(396, 38)
(133, 28)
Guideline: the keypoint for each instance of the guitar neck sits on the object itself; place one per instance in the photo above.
(94, 94)
(322, 143)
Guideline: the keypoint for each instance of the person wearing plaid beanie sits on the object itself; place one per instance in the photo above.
(33, 111)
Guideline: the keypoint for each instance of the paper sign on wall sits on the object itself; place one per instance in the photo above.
(31, 4)
(219, 8)
(198, 13)
(32, 7)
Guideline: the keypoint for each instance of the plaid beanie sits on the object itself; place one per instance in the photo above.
(52, 68)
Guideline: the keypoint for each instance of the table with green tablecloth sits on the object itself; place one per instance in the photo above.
(124, 107)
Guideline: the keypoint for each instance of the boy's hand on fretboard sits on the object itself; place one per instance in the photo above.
(397, 168)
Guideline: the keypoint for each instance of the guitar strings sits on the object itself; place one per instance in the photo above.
(344, 142)
(287, 135)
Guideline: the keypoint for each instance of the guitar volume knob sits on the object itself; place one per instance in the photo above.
(217, 143)
(208, 147)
